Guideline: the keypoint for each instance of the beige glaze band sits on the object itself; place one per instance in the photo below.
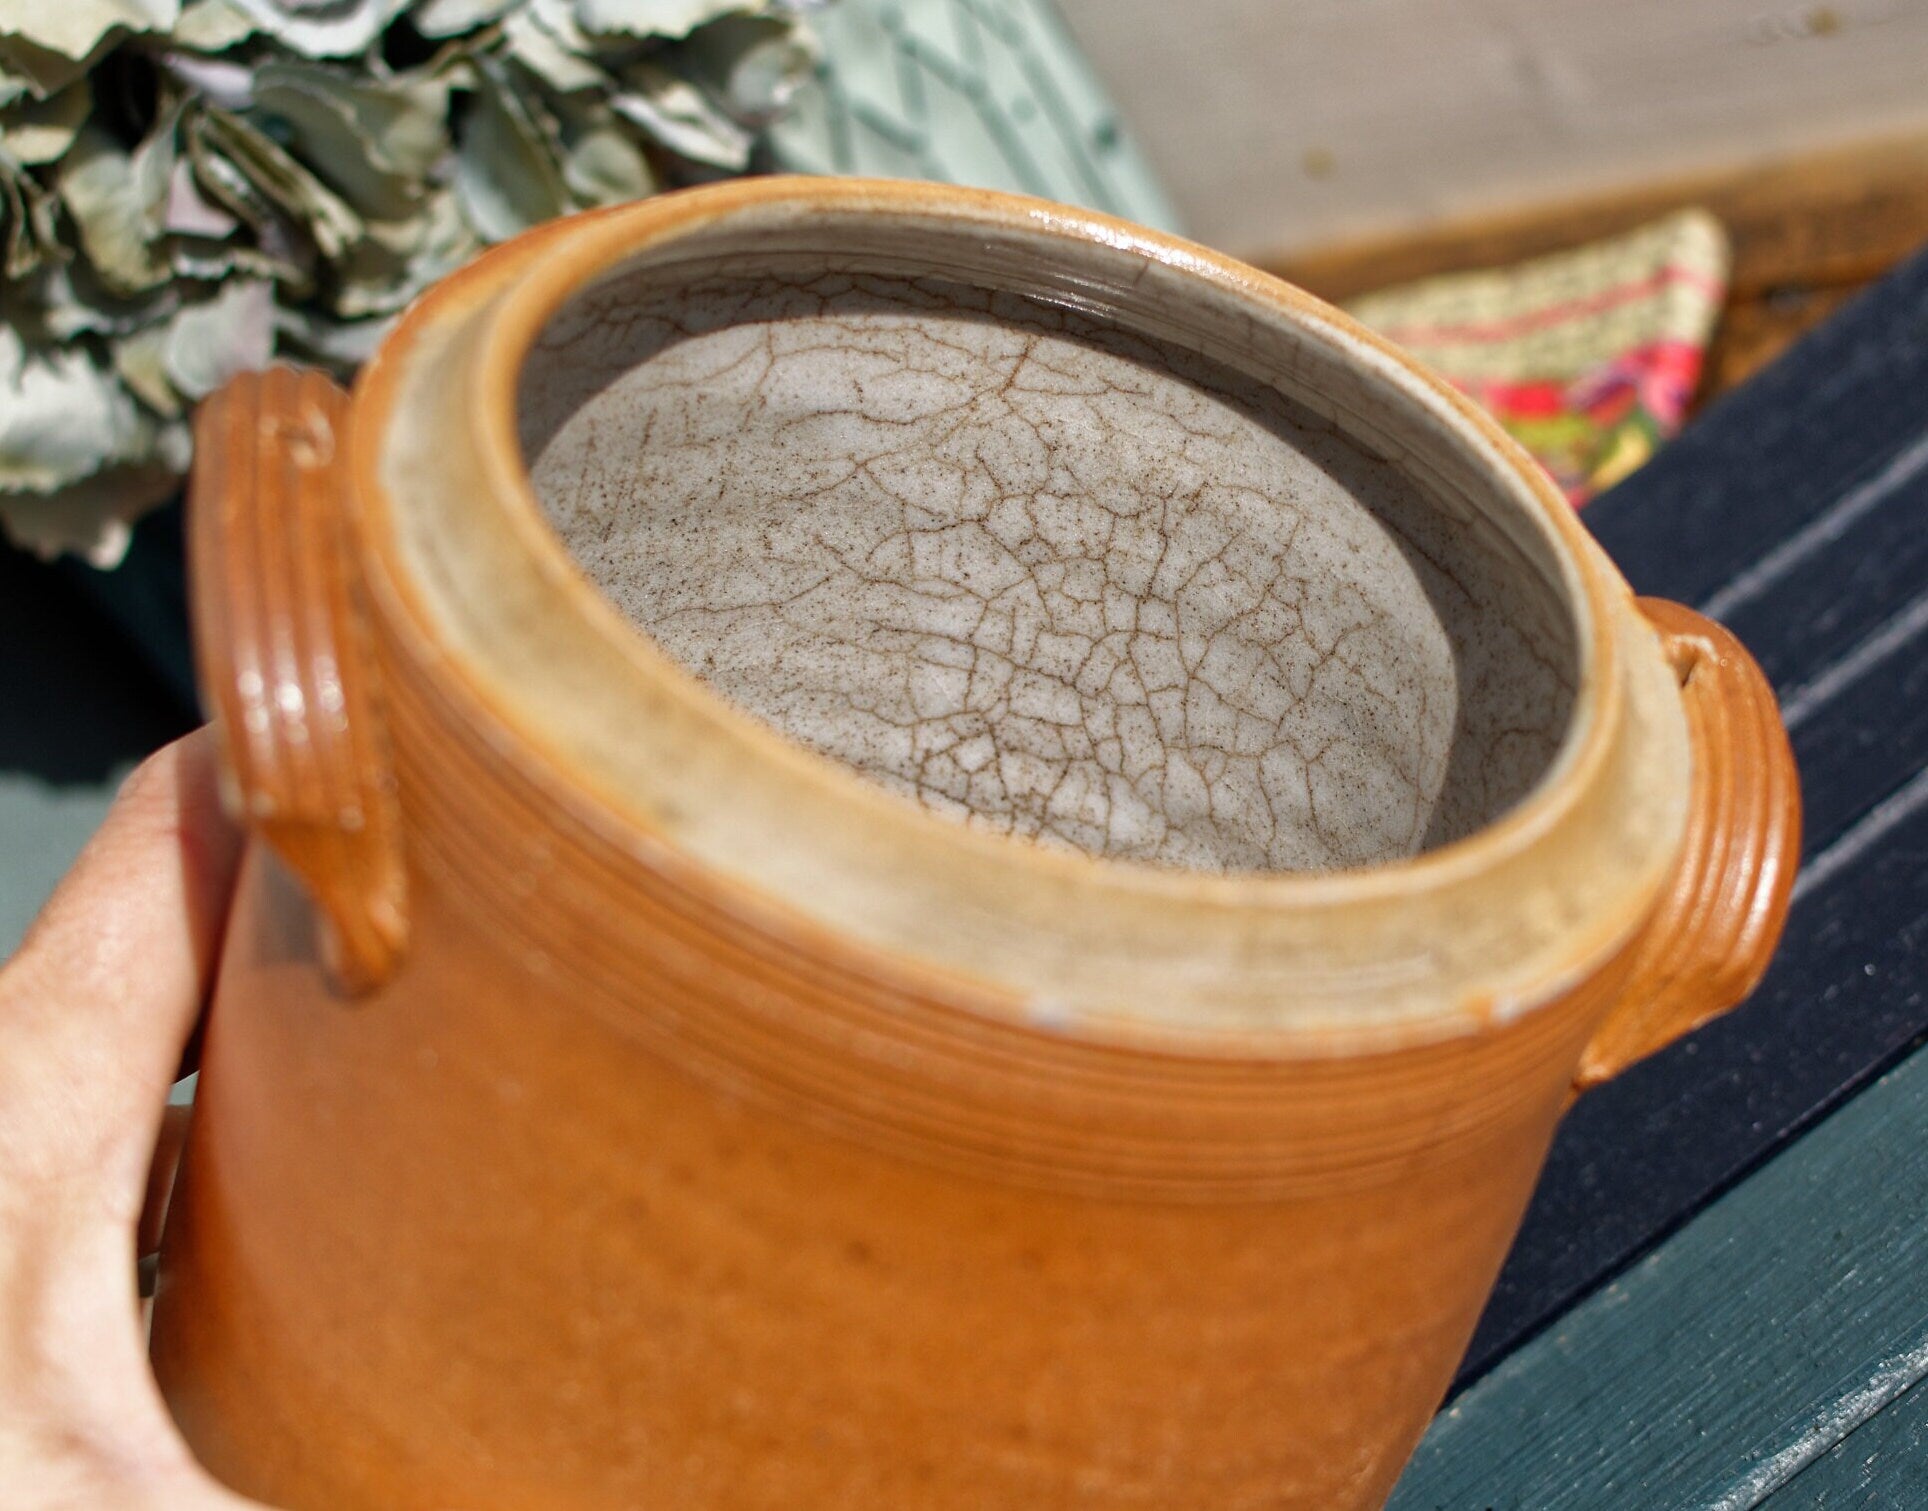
(472, 581)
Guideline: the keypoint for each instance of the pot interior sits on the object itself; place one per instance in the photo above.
(1045, 572)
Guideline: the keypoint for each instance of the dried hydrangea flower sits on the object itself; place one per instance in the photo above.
(189, 189)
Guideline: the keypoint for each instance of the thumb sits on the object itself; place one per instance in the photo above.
(106, 988)
(94, 1010)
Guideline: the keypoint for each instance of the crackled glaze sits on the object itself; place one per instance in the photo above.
(1045, 575)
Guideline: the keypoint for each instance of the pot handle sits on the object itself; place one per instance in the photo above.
(282, 655)
(1714, 930)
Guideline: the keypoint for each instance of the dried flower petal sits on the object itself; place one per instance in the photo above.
(323, 28)
(76, 28)
(534, 42)
(63, 415)
(682, 117)
(210, 342)
(212, 25)
(753, 64)
(117, 198)
(29, 236)
(602, 163)
(39, 131)
(506, 171)
(281, 182)
(650, 18)
(449, 18)
(372, 141)
(291, 179)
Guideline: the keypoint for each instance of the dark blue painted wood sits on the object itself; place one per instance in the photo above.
(1796, 510)
(145, 600)
(1773, 455)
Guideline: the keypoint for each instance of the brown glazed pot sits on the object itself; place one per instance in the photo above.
(611, 1103)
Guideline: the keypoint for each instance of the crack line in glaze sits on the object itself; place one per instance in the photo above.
(1045, 575)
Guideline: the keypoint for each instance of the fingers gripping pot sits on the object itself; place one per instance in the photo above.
(914, 849)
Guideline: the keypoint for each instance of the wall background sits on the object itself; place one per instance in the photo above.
(1283, 124)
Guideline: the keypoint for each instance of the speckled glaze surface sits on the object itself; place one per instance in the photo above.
(1045, 575)
(917, 849)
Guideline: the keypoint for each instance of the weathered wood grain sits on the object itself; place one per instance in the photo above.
(1745, 1349)
(1826, 219)
(1881, 1466)
(1288, 125)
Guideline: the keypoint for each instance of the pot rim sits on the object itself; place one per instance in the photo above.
(499, 334)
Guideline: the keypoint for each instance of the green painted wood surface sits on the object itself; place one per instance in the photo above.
(1881, 1466)
(993, 93)
(77, 710)
(1744, 1356)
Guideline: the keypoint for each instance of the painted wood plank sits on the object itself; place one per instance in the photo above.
(1881, 1466)
(1796, 509)
(77, 709)
(1739, 1354)
(1289, 125)
(986, 92)
(144, 600)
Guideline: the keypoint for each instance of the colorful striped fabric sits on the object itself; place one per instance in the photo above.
(1589, 357)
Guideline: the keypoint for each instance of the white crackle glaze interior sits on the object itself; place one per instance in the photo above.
(1047, 574)
(695, 797)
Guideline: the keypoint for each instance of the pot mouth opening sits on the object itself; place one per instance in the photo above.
(1124, 565)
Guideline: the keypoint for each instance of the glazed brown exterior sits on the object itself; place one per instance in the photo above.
(586, 1180)
(280, 638)
(1715, 929)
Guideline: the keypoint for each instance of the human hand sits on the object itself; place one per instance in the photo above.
(95, 1011)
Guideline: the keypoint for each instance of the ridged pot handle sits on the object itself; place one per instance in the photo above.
(281, 653)
(1715, 928)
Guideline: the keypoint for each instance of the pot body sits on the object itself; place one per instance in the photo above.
(475, 1241)
(542, 1160)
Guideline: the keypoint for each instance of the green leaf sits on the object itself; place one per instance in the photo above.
(212, 26)
(75, 29)
(39, 131)
(752, 64)
(681, 117)
(280, 185)
(116, 199)
(557, 57)
(451, 18)
(63, 416)
(603, 163)
(31, 235)
(507, 174)
(652, 18)
(373, 141)
(323, 28)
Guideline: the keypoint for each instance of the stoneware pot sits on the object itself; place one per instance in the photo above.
(911, 849)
